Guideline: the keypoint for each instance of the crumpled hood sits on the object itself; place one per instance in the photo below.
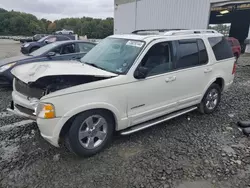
(12, 59)
(33, 71)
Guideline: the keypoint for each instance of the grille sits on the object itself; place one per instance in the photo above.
(25, 110)
(28, 91)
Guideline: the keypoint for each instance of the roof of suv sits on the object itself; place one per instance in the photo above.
(147, 37)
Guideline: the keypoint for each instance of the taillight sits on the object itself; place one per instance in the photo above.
(234, 68)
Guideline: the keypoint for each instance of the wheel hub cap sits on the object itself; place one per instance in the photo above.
(92, 132)
(212, 99)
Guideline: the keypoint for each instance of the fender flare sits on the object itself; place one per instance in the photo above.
(90, 106)
(210, 83)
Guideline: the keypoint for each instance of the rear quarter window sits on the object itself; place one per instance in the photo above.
(221, 48)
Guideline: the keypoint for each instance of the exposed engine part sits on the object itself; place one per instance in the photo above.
(49, 84)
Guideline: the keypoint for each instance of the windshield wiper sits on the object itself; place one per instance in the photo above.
(94, 65)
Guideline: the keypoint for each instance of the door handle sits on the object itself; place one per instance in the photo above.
(208, 70)
(170, 79)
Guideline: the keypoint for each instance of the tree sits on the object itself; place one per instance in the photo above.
(18, 23)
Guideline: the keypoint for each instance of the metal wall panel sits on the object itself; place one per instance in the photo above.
(124, 21)
(162, 14)
(169, 14)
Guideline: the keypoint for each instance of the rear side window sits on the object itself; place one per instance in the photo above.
(191, 53)
(203, 57)
(221, 48)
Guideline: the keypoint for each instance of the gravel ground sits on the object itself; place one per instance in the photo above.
(191, 151)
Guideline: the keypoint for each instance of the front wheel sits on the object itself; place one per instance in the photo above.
(90, 133)
(211, 99)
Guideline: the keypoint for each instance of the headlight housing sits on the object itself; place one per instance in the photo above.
(6, 67)
(26, 45)
(45, 111)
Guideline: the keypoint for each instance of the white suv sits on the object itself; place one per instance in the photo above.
(126, 83)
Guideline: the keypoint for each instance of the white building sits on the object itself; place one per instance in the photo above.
(130, 15)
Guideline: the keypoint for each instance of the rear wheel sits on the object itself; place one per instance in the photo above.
(90, 133)
(211, 99)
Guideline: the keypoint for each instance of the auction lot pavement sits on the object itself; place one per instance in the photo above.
(191, 151)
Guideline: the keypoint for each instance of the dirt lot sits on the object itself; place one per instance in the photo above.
(191, 151)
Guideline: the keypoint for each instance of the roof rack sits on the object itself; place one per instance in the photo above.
(183, 32)
(170, 32)
(150, 31)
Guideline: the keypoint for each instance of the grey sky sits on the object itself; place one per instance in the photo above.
(56, 9)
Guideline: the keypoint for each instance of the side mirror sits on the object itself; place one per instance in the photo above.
(50, 54)
(141, 73)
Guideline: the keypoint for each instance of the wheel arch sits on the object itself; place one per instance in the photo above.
(218, 80)
(64, 124)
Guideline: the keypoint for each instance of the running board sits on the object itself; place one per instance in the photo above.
(153, 122)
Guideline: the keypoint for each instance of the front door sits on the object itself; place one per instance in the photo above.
(153, 96)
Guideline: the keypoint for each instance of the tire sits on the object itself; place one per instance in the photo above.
(70, 33)
(60, 33)
(90, 144)
(33, 49)
(208, 105)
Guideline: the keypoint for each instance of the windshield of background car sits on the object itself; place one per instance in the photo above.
(42, 39)
(114, 54)
(43, 49)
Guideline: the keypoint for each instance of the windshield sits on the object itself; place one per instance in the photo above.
(114, 55)
(42, 39)
(43, 49)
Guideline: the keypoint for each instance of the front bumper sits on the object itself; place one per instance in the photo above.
(21, 106)
(17, 112)
(24, 50)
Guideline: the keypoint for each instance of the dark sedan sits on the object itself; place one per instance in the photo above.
(64, 50)
(30, 47)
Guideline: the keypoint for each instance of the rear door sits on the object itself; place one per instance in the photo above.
(192, 71)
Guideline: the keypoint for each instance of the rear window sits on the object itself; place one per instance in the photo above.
(221, 48)
(191, 53)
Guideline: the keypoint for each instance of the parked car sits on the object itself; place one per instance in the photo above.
(34, 38)
(30, 47)
(235, 45)
(126, 83)
(63, 50)
(64, 31)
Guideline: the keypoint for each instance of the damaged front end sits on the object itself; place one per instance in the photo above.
(49, 84)
(26, 96)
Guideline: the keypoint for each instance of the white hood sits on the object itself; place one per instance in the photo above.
(33, 71)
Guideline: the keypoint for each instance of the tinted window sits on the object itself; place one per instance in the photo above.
(85, 47)
(188, 54)
(158, 59)
(68, 49)
(62, 38)
(203, 57)
(221, 48)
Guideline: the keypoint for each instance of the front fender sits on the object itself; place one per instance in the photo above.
(118, 121)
